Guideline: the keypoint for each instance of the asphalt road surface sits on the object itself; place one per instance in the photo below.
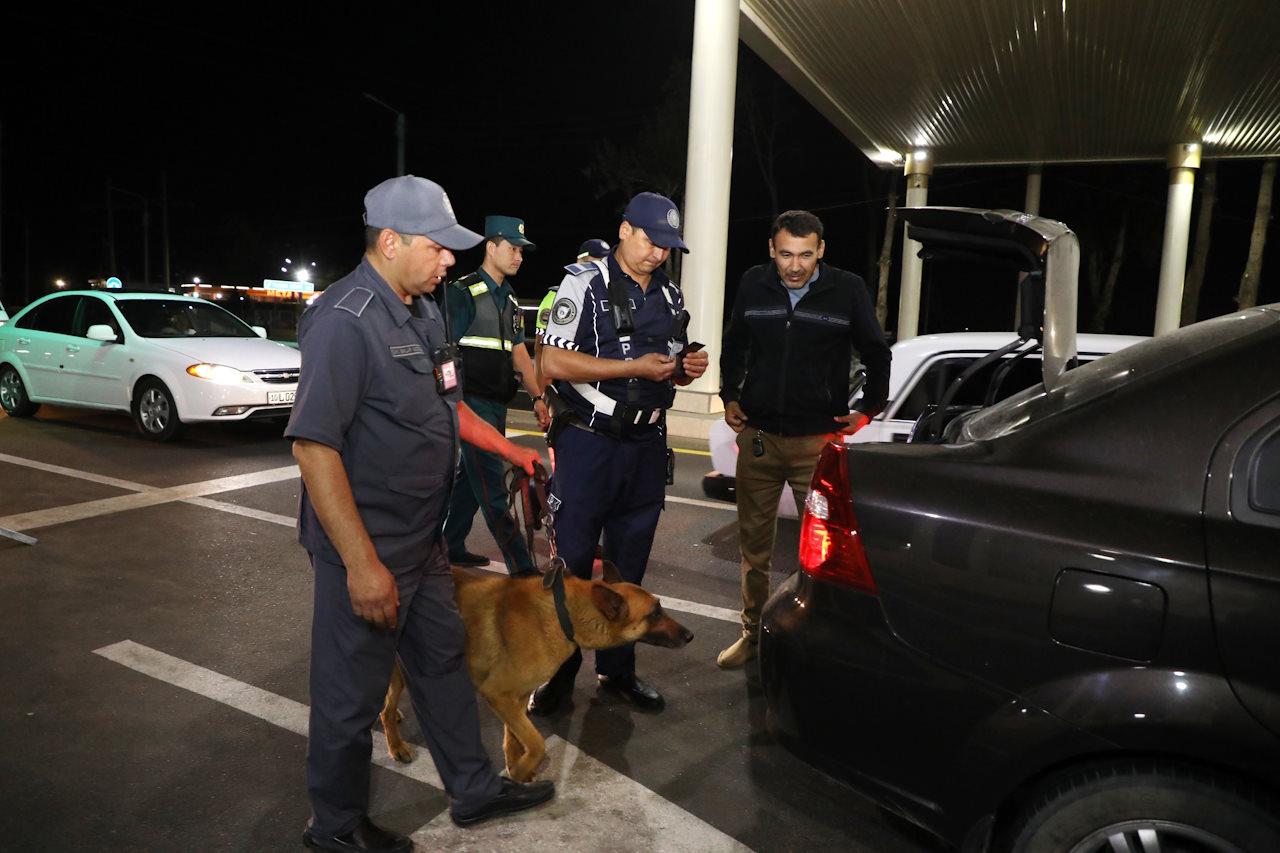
(154, 657)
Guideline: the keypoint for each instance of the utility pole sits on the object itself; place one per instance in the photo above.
(146, 230)
(111, 233)
(400, 131)
(164, 219)
(2, 211)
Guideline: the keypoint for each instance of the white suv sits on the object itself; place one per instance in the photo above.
(164, 358)
(920, 373)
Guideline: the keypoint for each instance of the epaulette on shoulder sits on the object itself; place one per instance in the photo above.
(579, 269)
(463, 282)
(356, 300)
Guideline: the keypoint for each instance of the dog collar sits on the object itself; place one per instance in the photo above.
(554, 580)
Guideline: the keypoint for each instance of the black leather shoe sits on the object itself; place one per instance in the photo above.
(547, 699)
(513, 797)
(635, 691)
(466, 558)
(366, 836)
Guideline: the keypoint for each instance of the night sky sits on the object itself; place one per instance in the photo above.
(257, 122)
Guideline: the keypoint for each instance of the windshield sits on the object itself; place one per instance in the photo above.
(1111, 373)
(165, 318)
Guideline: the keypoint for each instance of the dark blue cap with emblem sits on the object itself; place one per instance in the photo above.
(593, 249)
(412, 205)
(507, 228)
(659, 217)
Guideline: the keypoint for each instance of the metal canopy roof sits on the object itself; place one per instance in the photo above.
(1024, 81)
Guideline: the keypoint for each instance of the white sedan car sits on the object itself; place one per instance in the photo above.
(165, 359)
(921, 370)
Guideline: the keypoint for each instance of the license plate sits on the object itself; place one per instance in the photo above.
(274, 397)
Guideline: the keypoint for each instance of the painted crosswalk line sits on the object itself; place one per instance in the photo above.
(636, 819)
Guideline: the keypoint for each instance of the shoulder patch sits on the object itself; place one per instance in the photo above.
(356, 300)
(564, 311)
(578, 269)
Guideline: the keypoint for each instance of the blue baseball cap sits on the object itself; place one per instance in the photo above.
(659, 217)
(413, 205)
(593, 249)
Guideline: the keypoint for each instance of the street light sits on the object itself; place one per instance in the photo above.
(60, 283)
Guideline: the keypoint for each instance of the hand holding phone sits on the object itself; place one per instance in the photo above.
(687, 349)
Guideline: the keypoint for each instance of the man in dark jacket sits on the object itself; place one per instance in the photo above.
(785, 385)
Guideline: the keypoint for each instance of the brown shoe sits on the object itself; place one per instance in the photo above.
(744, 650)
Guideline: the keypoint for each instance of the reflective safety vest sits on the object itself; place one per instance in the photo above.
(487, 370)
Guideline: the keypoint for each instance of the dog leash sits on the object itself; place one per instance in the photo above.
(530, 493)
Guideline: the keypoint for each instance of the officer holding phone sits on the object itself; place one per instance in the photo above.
(615, 345)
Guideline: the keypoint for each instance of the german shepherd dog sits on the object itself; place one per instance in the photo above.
(515, 642)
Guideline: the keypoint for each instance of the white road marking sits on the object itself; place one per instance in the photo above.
(247, 512)
(636, 818)
(596, 808)
(728, 507)
(150, 496)
(72, 472)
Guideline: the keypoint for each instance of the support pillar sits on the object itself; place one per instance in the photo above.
(918, 168)
(706, 203)
(1184, 159)
(1031, 205)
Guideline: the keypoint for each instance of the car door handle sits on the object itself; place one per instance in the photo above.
(72, 348)
(24, 342)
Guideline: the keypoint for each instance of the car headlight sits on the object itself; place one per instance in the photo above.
(219, 373)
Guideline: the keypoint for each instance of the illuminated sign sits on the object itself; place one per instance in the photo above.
(290, 286)
(114, 283)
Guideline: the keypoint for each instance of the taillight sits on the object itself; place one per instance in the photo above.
(830, 544)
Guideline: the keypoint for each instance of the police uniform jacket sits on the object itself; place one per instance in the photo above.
(368, 391)
(582, 321)
(485, 321)
(788, 367)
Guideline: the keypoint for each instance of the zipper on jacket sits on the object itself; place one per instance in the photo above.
(786, 350)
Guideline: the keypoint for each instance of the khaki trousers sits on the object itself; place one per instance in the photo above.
(786, 459)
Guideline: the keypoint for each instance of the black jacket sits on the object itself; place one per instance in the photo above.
(789, 368)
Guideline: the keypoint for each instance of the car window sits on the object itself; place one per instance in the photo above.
(937, 377)
(94, 312)
(56, 316)
(1107, 375)
(164, 318)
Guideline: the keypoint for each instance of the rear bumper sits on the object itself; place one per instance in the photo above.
(846, 695)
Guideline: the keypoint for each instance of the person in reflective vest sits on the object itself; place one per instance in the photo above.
(485, 323)
(593, 251)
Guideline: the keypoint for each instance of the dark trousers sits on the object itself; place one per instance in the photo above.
(481, 485)
(350, 669)
(617, 487)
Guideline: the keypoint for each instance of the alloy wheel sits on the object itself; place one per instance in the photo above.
(1153, 836)
(153, 411)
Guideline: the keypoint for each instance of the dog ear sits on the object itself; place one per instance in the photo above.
(610, 572)
(608, 602)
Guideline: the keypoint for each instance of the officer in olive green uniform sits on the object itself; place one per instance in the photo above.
(485, 322)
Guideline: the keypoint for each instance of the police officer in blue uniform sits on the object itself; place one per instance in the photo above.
(614, 347)
(486, 323)
(375, 431)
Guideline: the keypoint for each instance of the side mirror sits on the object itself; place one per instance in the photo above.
(101, 332)
(260, 330)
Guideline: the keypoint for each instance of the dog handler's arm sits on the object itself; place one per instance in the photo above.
(371, 586)
(478, 432)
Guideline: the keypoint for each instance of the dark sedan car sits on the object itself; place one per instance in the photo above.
(1060, 628)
